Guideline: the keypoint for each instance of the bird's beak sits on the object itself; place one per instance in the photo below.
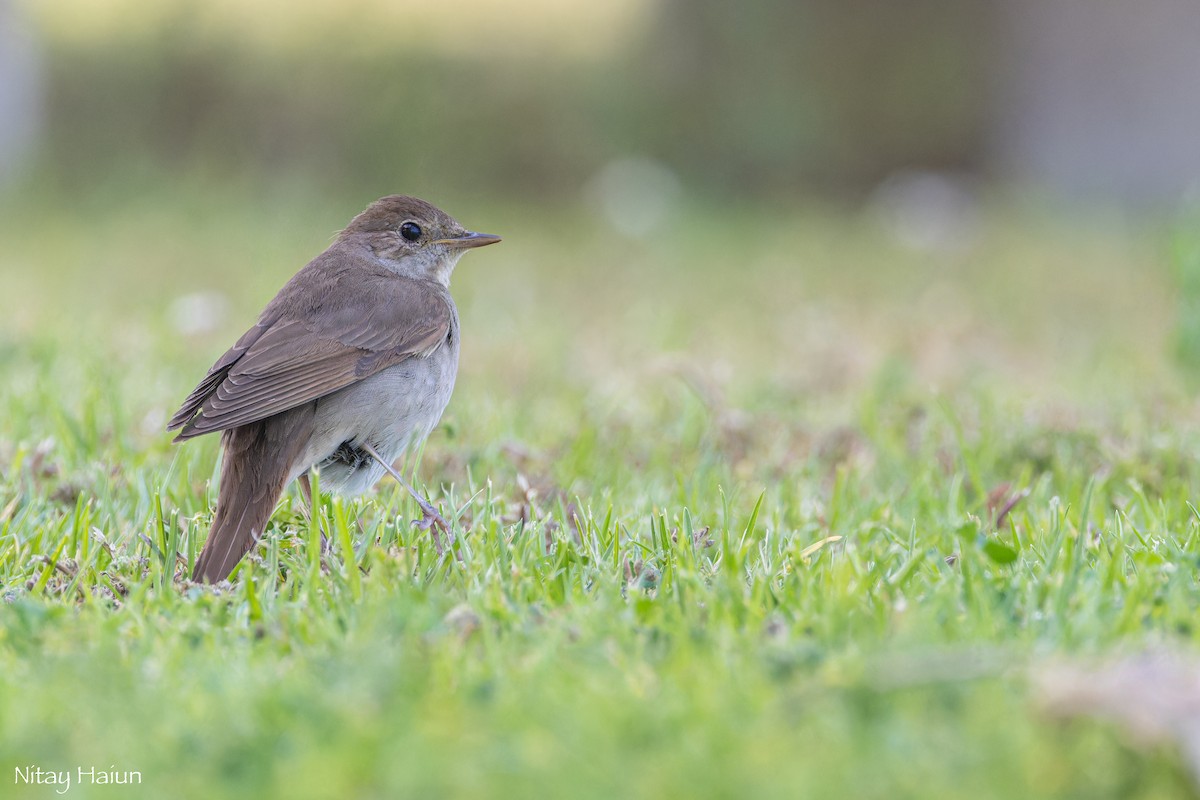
(469, 240)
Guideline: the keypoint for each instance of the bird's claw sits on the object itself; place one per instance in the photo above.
(433, 522)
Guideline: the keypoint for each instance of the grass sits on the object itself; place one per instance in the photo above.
(764, 506)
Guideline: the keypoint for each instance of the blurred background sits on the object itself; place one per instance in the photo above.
(873, 266)
(537, 101)
(942, 182)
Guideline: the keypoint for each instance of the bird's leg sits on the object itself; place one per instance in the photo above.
(306, 490)
(430, 518)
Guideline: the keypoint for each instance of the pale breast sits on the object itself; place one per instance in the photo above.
(393, 409)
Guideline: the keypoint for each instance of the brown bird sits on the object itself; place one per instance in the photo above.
(351, 363)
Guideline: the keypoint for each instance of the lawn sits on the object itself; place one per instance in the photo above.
(766, 504)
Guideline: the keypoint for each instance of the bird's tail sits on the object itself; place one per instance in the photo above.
(258, 460)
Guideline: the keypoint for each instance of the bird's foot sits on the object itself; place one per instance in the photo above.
(430, 518)
(433, 522)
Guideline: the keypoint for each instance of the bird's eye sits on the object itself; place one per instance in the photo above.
(410, 231)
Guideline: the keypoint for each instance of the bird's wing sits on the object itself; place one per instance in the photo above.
(326, 329)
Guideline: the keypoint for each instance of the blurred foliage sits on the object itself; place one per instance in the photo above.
(1185, 258)
(764, 97)
(775, 93)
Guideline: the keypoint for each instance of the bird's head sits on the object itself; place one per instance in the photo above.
(414, 238)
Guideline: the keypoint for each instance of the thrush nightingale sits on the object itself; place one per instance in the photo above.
(351, 363)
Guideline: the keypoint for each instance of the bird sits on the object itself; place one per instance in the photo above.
(352, 363)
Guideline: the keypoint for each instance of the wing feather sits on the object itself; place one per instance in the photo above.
(334, 324)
